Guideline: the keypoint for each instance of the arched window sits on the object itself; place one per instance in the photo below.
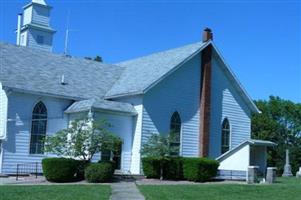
(38, 128)
(225, 136)
(175, 133)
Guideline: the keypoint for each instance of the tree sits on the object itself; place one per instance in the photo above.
(280, 122)
(158, 146)
(98, 59)
(82, 139)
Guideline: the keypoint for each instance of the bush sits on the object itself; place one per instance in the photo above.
(111, 162)
(173, 168)
(99, 172)
(151, 167)
(80, 169)
(59, 169)
(199, 169)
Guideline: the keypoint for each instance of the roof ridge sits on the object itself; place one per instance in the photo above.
(34, 50)
(159, 52)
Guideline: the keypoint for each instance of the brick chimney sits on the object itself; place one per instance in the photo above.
(207, 35)
(205, 95)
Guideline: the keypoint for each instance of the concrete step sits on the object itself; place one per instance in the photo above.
(3, 175)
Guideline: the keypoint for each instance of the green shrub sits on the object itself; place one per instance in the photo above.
(173, 168)
(59, 169)
(99, 172)
(151, 167)
(111, 162)
(80, 166)
(199, 169)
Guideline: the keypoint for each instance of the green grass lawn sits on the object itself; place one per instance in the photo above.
(55, 192)
(284, 189)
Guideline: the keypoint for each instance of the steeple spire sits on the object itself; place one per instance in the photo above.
(35, 30)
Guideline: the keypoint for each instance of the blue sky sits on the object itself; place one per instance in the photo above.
(260, 40)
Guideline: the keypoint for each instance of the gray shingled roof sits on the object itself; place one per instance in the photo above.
(141, 73)
(100, 104)
(33, 70)
(40, 71)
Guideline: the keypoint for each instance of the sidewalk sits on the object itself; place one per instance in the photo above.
(125, 191)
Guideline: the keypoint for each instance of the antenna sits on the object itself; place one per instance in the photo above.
(67, 33)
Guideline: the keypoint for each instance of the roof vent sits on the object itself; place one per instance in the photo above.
(207, 35)
(63, 82)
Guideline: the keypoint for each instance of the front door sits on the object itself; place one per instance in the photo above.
(117, 156)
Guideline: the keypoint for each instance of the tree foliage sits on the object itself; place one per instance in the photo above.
(280, 122)
(98, 59)
(159, 146)
(82, 139)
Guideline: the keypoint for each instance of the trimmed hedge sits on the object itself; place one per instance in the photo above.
(151, 167)
(80, 169)
(199, 169)
(173, 168)
(59, 169)
(178, 168)
(99, 172)
(111, 162)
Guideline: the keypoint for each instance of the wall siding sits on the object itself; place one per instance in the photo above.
(16, 146)
(3, 112)
(178, 92)
(32, 39)
(226, 103)
(122, 127)
(137, 102)
(27, 15)
(40, 15)
(230, 163)
(3, 117)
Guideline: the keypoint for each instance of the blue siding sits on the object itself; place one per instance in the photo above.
(226, 102)
(16, 146)
(32, 39)
(178, 92)
(136, 123)
(122, 127)
(40, 15)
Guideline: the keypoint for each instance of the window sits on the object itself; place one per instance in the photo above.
(38, 128)
(225, 136)
(175, 133)
(40, 39)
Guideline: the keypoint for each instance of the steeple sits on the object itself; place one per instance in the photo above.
(35, 30)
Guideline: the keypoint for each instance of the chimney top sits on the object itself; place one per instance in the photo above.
(207, 34)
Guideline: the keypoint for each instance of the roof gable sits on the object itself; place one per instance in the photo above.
(235, 82)
(142, 73)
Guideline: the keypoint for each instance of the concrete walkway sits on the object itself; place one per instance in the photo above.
(125, 191)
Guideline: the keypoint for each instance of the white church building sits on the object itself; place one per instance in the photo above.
(189, 89)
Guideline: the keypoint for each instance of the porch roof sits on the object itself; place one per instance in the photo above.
(261, 143)
(252, 142)
(101, 105)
